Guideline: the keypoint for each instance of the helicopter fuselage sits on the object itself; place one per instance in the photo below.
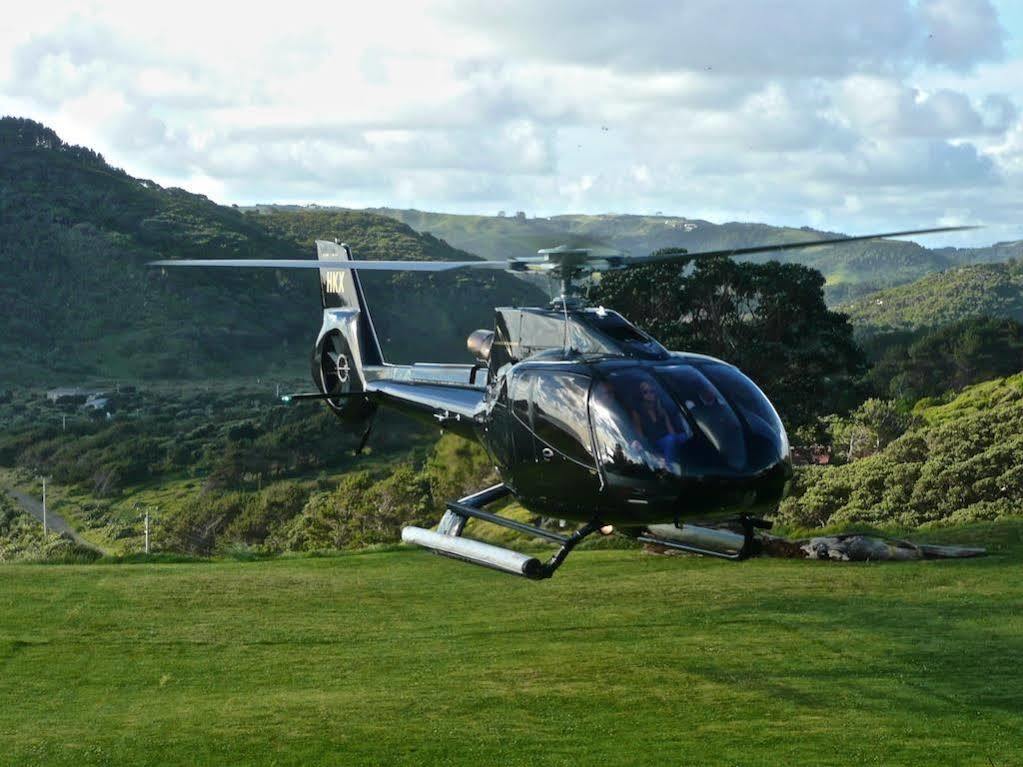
(634, 442)
(586, 417)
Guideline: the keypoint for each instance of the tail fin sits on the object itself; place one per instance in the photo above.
(341, 289)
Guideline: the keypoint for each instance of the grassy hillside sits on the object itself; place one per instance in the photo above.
(78, 300)
(221, 464)
(995, 290)
(851, 270)
(405, 658)
(418, 317)
(960, 464)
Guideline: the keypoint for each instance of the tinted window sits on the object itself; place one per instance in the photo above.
(559, 414)
(625, 336)
(709, 409)
(745, 395)
(639, 430)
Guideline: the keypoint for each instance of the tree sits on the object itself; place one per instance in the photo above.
(909, 365)
(869, 429)
(768, 319)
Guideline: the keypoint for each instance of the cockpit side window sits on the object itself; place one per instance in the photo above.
(559, 414)
(638, 429)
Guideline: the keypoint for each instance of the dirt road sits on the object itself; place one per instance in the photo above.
(54, 521)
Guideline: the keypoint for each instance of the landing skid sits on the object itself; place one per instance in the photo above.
(709, 541)
(448, 540)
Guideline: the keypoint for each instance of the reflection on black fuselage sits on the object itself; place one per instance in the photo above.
(636, 442)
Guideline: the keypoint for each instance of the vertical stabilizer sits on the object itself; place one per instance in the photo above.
(341, 289)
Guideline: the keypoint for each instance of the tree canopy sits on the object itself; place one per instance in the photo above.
(909, 365)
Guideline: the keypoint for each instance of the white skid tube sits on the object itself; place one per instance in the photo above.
(477, 552)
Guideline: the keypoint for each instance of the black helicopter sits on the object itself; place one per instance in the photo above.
(586, 417)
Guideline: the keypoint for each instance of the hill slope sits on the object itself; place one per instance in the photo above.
(995, 290)
(78, 300)
(851, 270)
(962, 464)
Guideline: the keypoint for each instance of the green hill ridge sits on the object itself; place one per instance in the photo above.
(79, 300)
(994, 290)
(850, 270)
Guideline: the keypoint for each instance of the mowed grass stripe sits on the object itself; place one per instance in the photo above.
(405, 658)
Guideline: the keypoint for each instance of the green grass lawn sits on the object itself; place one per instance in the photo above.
(400, 657)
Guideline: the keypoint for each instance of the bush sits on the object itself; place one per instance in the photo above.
(360, 513)
(961, 463)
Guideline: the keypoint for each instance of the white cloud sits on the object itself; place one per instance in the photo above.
(847, 114)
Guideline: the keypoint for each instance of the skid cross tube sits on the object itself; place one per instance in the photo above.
(511, 524)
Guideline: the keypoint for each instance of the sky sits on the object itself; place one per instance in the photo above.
(851, 117)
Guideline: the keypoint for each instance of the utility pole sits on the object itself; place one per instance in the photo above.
(148, 518)
(44, 507)
(63, 422)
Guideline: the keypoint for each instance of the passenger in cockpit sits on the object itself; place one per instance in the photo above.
(661, 429)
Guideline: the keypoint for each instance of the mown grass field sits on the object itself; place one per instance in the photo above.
(400, 657)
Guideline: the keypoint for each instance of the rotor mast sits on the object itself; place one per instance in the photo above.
(570, 265)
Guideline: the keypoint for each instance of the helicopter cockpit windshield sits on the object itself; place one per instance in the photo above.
(683, 421)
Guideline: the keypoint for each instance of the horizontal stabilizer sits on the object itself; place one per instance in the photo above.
(456, 402)
(476, 552)
(286, 398)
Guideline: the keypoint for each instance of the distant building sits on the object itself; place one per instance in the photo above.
(97, 401)
(811, 455)
(68, 394)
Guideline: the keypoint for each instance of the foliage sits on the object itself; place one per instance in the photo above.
(994, 290)
(768, 319)
(75, 236)
(22, 539)
(868, 429)
(961, 464)
(457, 467)
(910, 365)
(360, 512)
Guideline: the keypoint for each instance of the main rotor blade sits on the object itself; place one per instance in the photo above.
(383, 266)
(786, 246)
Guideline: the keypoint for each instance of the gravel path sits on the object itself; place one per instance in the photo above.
(54, 521)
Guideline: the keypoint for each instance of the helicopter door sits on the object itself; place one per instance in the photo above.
(499, 441)
(564, 450)
(523, 467)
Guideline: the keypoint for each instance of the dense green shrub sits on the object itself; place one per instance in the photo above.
(360, 512)
(960, 464)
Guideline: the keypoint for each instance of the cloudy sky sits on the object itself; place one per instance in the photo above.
(848, 116)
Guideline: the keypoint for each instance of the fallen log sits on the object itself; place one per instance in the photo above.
(856, 547)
